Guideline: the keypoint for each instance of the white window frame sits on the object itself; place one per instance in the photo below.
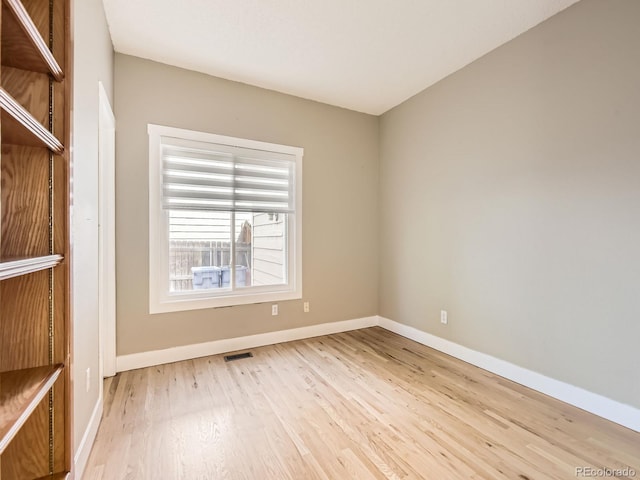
(160, 299)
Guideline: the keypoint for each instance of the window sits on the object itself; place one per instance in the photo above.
(224, 221)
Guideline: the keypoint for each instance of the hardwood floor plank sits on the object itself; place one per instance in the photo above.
(366, 404)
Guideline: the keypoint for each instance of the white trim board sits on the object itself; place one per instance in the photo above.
(106, 235)
(604, 407)
(187, 352)
(84, 449)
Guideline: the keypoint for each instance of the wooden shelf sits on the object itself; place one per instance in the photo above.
(20, 393)
(22, 45)
(22, 266)
(19, 127)
(55, 476)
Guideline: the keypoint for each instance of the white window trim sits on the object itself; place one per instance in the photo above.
(160, 301)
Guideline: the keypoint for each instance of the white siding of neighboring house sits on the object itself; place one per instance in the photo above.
(199, 225)
(268, 249)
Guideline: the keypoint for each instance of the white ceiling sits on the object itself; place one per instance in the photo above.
(365, 55)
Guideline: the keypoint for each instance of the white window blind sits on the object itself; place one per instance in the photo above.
(207, 176)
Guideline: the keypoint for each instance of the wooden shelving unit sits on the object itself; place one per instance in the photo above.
(35, 334)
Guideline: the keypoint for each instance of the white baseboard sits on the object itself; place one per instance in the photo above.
(186, 352)
(604, 407)
(84, 449)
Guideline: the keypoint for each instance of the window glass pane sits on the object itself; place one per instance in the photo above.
(269, 249)
(199, 249)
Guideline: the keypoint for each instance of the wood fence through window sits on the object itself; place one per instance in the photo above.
(185, 254)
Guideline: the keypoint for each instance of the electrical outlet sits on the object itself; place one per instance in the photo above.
(88, 379)
(305, 306)
(443, 317)
(274, 309)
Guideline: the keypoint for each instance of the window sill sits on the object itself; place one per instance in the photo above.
(197, 301)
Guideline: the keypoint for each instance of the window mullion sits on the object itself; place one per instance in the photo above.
(232, 249)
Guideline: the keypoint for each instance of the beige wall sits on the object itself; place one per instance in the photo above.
(340, 179)
(93, 62)
(510, 196)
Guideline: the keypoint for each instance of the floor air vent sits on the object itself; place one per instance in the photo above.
(237, 356)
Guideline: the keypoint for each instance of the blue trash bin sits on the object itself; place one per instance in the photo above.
(205, 277)
(241, 276)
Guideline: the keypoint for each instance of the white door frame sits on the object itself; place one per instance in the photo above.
(106, 235)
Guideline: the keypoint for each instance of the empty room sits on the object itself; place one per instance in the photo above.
(320, 239)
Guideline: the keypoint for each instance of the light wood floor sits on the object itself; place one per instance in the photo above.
(364, 404)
